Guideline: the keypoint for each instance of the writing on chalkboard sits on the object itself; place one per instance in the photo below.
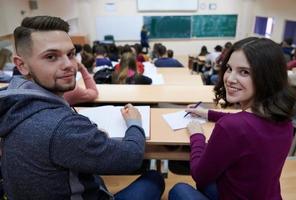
(191, 26)
(168, 26)
(213, 25)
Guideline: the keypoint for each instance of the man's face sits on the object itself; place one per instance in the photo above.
(52, 63)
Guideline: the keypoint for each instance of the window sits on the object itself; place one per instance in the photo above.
(290, 30)
(263, 26)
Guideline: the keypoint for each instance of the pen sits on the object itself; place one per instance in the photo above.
(197, 104)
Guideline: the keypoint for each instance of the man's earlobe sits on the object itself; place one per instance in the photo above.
(20, 64)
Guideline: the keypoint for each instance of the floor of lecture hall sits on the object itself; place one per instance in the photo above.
(116, 183)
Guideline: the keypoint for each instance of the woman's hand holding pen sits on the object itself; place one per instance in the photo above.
(197, 111)
(194, 127)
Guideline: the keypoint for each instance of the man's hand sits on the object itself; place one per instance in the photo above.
(129, 112)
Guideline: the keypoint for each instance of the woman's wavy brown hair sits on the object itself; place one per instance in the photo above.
(274, 98)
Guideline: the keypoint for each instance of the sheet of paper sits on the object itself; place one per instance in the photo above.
(177, 120)
(8, 73)
(110, 120)
(78, 76)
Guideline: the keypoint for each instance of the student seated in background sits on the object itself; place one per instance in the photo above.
(127, 49)
(101, 59)
(82, 95)
(292, 64)
(246, 151)
(170, 53)
(155, 52)
(287, 48)
(210, 64)
(50, 151)
(128, 72)
(113, 54)
(6, 60)
(197, 66)
(164, 60)
(214, 78)
(137, 49)
(87, 57)
(78, 49)
(5, 55)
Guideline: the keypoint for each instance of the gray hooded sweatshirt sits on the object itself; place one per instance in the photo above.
(51, 152)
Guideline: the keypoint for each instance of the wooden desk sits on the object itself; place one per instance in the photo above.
(173, 70)
(3, 85)
(162, 134)
(154, 94)
(179, 76)
(183, 80)
(195, 60)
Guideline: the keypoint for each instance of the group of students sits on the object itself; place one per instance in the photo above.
(124, 62)
(49, 151)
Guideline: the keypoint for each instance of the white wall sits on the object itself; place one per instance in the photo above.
(86, 12)
(11, 12)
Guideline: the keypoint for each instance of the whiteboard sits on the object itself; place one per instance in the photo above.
(121, 27)
(167, 5)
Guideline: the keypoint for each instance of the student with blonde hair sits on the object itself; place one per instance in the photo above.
(127, 73)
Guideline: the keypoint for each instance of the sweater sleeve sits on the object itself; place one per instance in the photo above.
(80, 95)
(77, 144)
(291, 64)
(208, 162)
(214, 116)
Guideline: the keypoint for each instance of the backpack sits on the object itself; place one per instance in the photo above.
(103, 76)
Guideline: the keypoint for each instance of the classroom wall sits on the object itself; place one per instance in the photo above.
(84, 12)
(246, 10)
(11, 11)
(180, 46)
(281, 10)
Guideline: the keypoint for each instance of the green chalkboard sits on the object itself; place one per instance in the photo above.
(214, 25)
(168, 26)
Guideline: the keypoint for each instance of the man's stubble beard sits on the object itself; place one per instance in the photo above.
(56, 88)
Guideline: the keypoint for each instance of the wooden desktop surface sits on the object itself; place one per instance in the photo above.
(162, 134)
(183, 80)
(173, 70)
(183, 94)
(165, 143)
(3, 85)
(179, 76)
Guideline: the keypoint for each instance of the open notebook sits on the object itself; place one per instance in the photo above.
(110, 120)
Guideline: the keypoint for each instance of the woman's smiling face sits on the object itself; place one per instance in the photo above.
(238, 80)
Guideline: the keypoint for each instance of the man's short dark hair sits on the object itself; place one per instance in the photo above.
(170, 53)
(218, 48)
(162, 50)
(22, 34)
(100, 50)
